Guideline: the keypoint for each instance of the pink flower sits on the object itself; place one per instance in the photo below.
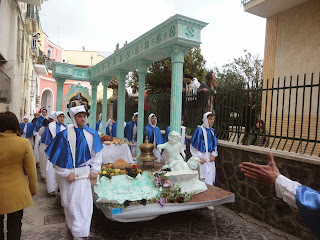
(162, 201)
(158, 180)
(167, 183)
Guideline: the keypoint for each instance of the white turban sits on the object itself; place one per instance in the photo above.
(57, 114)
(74, 111)
(52, 115)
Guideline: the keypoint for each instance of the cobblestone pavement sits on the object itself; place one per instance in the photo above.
(45, 221)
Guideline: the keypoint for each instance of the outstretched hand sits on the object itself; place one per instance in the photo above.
(266, 174)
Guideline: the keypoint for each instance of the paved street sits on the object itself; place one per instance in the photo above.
(45, 220)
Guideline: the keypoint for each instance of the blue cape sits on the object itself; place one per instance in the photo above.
(46, 137)
(29, 132)
(59, 151)
(197, 140)
(107, 130)
(128, 130)
(38, 124)
(98, 125)
(165, 139)
(151, 131)
(308, 202)
(113, 130)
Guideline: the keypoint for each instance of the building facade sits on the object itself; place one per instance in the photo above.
(20, 66)
(291, 72)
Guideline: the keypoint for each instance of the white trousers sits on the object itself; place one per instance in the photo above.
(208, 172)
(50, 177)
(77, 200)
(43, 158)
(36, 147)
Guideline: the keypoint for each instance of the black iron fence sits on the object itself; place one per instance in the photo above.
(280, 113)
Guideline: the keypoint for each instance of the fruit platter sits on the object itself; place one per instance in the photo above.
(105, 138)
(117, 141)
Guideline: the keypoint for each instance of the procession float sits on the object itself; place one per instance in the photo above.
(132, 192)
(141, 189)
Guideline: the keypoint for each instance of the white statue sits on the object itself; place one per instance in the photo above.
(185, 174)
(173, 149)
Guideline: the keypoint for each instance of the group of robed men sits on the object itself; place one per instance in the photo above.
(73, 157)
(203, 142)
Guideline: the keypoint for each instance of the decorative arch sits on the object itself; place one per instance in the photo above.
(47, 99)
(78, 91)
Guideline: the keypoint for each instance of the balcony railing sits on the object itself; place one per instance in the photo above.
(32, 13)
(244, 2)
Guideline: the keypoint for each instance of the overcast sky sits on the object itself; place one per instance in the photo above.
(99, 25)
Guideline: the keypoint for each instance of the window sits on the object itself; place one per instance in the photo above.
(5, 86)
(20, 40)
(49, 52)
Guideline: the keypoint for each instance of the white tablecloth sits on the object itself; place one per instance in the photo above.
(111, 153)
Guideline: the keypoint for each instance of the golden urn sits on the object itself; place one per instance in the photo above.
(146, 151)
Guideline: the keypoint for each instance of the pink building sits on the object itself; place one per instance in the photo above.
(48, 87)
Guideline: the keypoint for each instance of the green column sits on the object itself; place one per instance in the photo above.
(142, 67)
(121, 102)
(105, 83)
(94, 86)
(59, 100)
(177, 58)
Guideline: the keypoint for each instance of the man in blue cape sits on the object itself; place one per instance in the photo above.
(204, 146)
(51, 131)
(114, 128)
(301, 197)
(26, 128)
(99, 125)
(154, 134)
(77, 156)
(38, 123)
(36, 127)
(130, 132)
(43, 158)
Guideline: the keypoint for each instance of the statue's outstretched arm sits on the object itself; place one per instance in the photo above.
(161, 146)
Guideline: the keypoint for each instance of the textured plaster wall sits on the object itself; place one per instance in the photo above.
(297, 45)
(258, 200)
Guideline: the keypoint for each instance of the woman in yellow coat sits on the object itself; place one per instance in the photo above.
(16, 161)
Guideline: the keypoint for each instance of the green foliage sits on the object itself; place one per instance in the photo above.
(194, 64)
(246, 69)
(158, 78)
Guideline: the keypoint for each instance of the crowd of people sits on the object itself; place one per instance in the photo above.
(69, 159)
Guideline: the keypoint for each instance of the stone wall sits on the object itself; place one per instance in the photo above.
(258, 200)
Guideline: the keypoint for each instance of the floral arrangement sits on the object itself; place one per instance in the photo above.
(170, 192)
(108, 171)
